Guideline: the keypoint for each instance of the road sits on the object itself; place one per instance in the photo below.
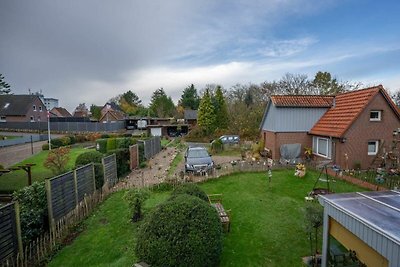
(14, 154)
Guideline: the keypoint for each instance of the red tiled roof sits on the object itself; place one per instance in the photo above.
(348, 107)
(302, 101)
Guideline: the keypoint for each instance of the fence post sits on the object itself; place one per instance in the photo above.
(76, 187)
(94, 178)
(49, 203)
(18, 227)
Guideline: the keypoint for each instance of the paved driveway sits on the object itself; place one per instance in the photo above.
(14, 154)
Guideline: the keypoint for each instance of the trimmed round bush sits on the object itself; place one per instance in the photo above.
(190, 189)
(183, 231)
(45, 146)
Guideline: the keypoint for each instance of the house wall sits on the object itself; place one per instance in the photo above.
(37, 115)
(273, 141)
(291, 119)
(365, 253)
(364, 130)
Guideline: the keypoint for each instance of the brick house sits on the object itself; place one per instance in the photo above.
(22, 108)
(350, 129)
(60, 112)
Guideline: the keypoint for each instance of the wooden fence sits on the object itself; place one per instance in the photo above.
(151, 146)
(10, 232)
(134, 156)
(110, 170)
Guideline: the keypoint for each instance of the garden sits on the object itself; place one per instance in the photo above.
(268, 226)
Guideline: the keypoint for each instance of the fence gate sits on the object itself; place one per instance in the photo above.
(10, 233)
(110, 170)
(134, 155)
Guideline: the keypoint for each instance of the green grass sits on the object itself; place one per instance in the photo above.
(6, 137)
(175, 162)
(109, 237)
(229, 151)
(17, 179)
(266, 223)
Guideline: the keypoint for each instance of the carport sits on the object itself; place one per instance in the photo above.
(366, 223)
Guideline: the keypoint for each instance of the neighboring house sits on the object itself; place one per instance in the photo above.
(111, 116)
(60, 113)
(289, 118)
(190, 117)
(81, 111)
(22, 108)
(50, 103)
(352, 131)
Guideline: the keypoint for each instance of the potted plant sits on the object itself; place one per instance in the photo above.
(300, 170)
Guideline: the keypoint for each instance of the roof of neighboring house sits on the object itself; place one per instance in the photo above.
(16, 105)
(81, 114)
(112, 105)
(348, 106)
(302, 100)
(190, 114)
(60, 111)
(113, 115)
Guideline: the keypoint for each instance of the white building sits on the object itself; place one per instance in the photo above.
(51, 103)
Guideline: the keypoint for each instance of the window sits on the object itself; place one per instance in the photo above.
(373, 147)
(32, 119)
(6, 105)
(40, 108)
(3, 119)
(375, 115)
(34, 107)
(321, 147)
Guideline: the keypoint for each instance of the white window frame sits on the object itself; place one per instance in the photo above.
(32, 119)
(34, 107)
(40, 108)
(316, 150)
(376, 148)
(3, 119)
(379, 112)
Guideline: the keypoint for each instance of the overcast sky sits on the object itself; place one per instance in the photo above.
(89, 51)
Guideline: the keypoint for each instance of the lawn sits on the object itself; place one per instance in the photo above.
(6, 137)
(18, 179)
(266, 223)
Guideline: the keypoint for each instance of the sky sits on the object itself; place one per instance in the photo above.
(88, 51)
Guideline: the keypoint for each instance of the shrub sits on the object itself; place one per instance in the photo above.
(217, 146)
(136, 198)
(95, 157)
(111, 144)
(190, 189)
(101, 145)
(56, 143)
(104, 136)
(72, 139)
(45, 146)
(80, 138)
(184, 231)
(33, 211)
(123, 142)
(65, 140)
(88, 157)
(123, 161)
(142, 164)
(57, 160)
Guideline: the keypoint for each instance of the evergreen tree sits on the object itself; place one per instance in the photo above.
(190, 99)
(96, 111)
(161, 105)
(4, 87)
(206, 118)
(221, 110)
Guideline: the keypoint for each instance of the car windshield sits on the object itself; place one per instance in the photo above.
(197, 153)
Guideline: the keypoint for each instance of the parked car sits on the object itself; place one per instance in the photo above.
(198, 160)
(230, 139)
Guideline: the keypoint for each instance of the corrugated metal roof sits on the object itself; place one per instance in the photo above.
(379, 211)
(302, 100)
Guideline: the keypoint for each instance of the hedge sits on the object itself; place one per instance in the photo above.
(111, 144)
(95, 157)
(183, 231)
(33, 211)
(190, 189)
(123, 160)
(101, 145)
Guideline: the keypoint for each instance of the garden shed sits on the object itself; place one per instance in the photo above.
(365, 223)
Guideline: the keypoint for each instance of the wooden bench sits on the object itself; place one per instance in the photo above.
(223, 215)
